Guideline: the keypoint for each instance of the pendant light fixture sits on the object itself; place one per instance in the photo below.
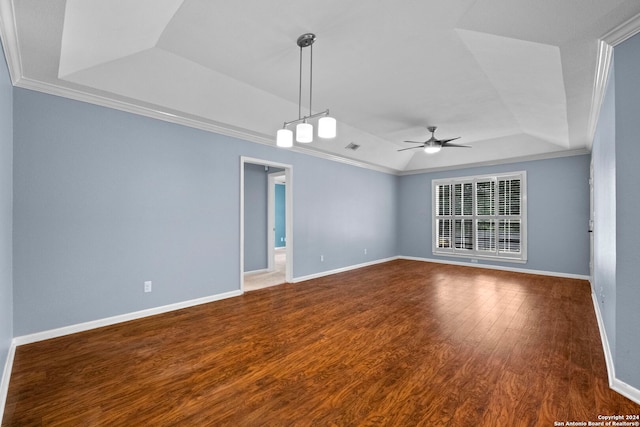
(304, 130)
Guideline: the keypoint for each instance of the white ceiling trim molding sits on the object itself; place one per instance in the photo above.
(606, 44)
(211, 127)
(623, 31)
(542, 156)
(10, 39)
(171, 117)
(10, 44)
(603, 65)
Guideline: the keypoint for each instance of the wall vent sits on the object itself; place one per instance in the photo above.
(352, 146)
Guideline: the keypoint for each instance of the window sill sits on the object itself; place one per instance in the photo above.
(475, 258)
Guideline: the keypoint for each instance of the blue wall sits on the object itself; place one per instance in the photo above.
(604, 205)
(105, 200)
(627, 152)
(338, 214)
(280, 216)
(6, 212)
(558, 205)
(255, 217)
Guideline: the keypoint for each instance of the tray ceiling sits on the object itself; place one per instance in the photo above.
(514, 78)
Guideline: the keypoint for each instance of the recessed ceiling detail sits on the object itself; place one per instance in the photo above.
(514, 78)
(96, 32)
(528, 77)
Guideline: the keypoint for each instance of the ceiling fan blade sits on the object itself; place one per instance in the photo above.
(410, 148)
(416, 142)
(445, 141)
(456, 145)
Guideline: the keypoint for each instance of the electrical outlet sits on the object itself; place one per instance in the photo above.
(147, 286)
(321, 258)
(365, 251)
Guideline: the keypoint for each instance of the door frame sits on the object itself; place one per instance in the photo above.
(271, 217)
(592, 215)
(288, 172)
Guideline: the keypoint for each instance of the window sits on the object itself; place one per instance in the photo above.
(481, 216)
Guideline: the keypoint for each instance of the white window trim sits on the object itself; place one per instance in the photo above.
(475, 254)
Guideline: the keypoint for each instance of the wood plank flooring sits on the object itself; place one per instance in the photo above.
(403, 343)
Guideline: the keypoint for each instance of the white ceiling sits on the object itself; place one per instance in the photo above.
(514, 78)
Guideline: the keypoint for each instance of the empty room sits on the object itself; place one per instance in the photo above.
(250, 213)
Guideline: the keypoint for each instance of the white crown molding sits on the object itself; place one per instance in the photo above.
(543, 156)
(613, 38)
(142, 110)
(603, 65)
(10, 40)
(622, 32)
(179, 118)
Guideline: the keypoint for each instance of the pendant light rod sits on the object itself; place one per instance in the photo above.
(300, 85)
(310, 75)
(302, 119)
(304, 130)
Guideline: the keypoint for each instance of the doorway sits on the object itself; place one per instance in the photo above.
(266, 252)
(276, 220)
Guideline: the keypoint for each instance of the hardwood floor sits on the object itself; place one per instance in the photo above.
(403, 343)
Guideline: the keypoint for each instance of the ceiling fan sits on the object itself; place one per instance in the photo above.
(433, 145)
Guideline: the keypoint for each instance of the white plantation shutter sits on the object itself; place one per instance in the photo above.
(486, 235)
(443, 235)
(444, 200)
(464, 234)
(509, 196)
(482, 216)
(486, 198)
(509, 236)
(463, 199)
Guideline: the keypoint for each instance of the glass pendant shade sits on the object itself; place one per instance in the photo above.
(431, 149)
(284, 138)
(304, 133)
(327, 127)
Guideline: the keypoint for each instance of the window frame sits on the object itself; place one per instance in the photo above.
(475, 217)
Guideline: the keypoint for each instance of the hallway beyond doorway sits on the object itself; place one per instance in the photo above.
(253, 281)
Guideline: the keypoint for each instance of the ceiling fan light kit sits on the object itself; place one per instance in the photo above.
(304, 130)
(431, 149)
(433, 144)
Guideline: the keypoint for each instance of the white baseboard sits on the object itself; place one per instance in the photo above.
(498, 267)
(81, 327)
(626, 390)
(262, 270)
(608, 357)
(341, 270)
(6, 376)
(614, 383)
